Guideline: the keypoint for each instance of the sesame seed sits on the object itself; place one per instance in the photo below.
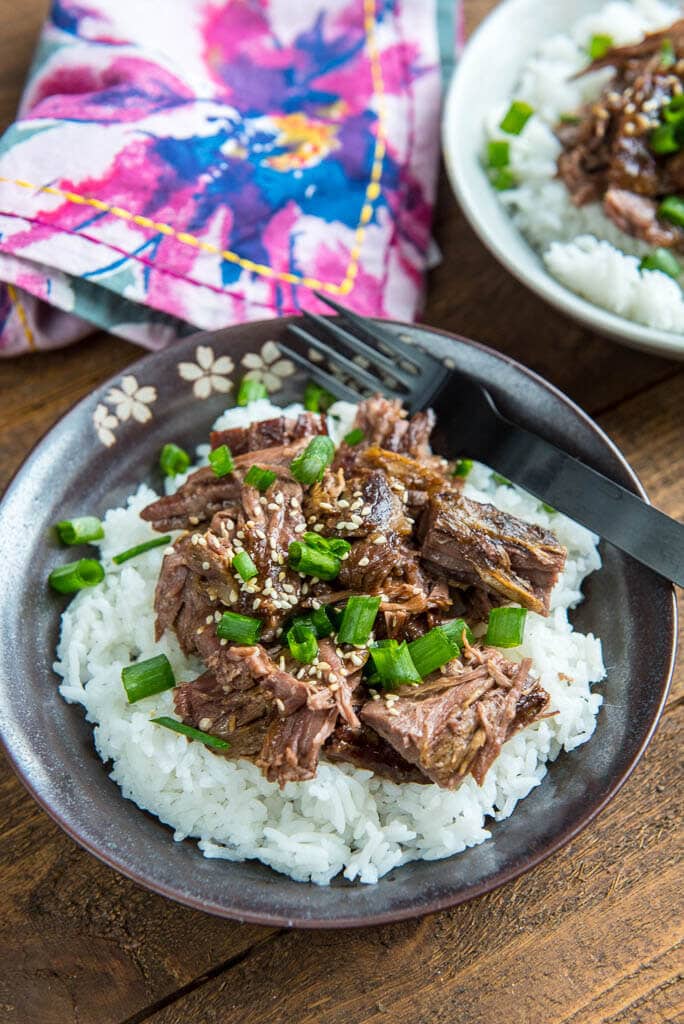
(288, 588)
(209, 619)
(341, 525)
(356, 520)
(170, 550)
(324, 665)
(262, 501)
(223, 642)
(193, 520)
(343, 503)
(204, 724)
(205, 566)
(250, 524)
(282, 575)
(233, 596)
(279, 704)
(260, 534)
(318, 528)
(366, 510)
(256, 602)
(272, 506)
(393, 712)
(217, 616)
(194, 538)
(300, 528)
(279, 498)
(376, 696)
(334, 687)
(380, 539)
(332, 677)
(364, 561)
(281, 663)
(240, 534)
(311, 519)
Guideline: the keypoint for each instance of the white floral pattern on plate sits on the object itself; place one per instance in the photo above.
(208, 374)
(131, 401)
(105, 425)
(268, 367)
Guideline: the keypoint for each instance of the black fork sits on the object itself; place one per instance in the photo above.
(371, 358)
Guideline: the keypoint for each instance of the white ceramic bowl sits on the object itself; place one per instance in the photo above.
(486, 78)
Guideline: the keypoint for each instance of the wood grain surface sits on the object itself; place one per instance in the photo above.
(592, 936)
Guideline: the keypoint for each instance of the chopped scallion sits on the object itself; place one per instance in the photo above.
(81, 530)
(316, 398)
(333, 545)
(664, 139)
(548, 508)
(672, 209)
(240, 629)
(250, 391)
(145, 678)
(502, 481)
(498, 153)
(321, 621)
(309, 466)
(173, 460)
(313, 561)
(674, 111)
(506, 627)
(191, 733)
(516, 118)
(393, 663)
(302, 643)
(570, 119)
(140, 549)
(455, 630)
(668, 57)
(664, 261)
(244, 566)
(354, 437)
(463, 467)
(358, 618)
(503, 180)
(260, 478)
(67, 579)
(599, 45)
(431, 651)
(221, 460)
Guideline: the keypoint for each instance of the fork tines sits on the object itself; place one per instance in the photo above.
(361, 355)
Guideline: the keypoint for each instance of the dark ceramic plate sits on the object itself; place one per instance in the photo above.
(99, 452)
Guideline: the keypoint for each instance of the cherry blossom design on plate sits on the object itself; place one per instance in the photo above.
(131, 401)
(208, 374)
(268, 367)
(105, 425)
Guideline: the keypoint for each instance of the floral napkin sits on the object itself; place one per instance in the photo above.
(184, 164)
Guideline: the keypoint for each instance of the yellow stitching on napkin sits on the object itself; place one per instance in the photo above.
(23, 319)
(372, 193)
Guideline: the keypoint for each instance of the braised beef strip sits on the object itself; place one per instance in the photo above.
(415, 541)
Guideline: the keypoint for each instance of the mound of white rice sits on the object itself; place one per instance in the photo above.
(345, 819)
(582, 247)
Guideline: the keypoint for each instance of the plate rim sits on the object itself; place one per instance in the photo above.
(652, 340)
(434, 904)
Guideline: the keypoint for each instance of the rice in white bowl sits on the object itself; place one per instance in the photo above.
(581, 246)
(346, 819)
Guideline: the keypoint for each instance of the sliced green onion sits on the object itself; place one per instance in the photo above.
(321, 621)
(431, 651)
(455, 630)
(140, 549)
(240, 629)
(672, 209)
(309, 466)
(599, 45)
(506, 627)
(664, 139)
(145, 678)
(313, 561)
(570, 119)
(393, 663)
(173, 460)
(73, 576)
(192, 733)
(221, 460)
(674, 111)
(502, 481)
(250, 391)
(331, 545)
(354, 437)
(504, 180)
(668, 57)
(260, 478)
(358, 618)
(548, 508)
(664, 261)
(316, 398)
(302, 643)
(244, 566)
(81, 530)
(498, 153)
(516, 118)
(463, 467)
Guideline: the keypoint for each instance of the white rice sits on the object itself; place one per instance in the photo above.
(582, 247)
(345, 819)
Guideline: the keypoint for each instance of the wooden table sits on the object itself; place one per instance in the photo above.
(590, 936)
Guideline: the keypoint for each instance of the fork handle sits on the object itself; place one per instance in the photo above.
(589, 497)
